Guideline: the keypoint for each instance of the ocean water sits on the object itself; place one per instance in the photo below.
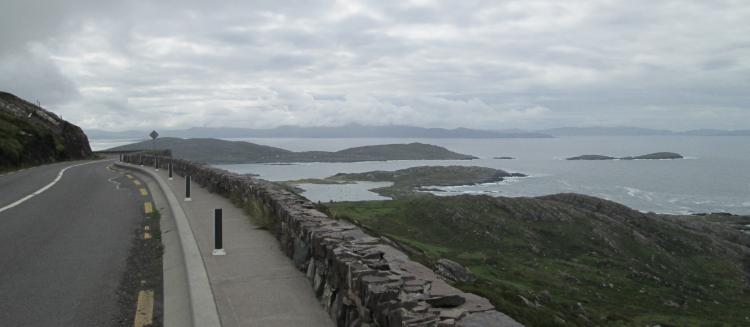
(714, 177)
(103, 144)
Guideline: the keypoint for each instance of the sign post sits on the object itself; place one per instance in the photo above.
(154, 135)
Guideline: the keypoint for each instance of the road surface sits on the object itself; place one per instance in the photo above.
(63, 252)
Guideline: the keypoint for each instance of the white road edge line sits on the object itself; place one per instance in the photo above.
(46, 187)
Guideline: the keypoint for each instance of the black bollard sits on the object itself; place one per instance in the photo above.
(218, 240)
(141, 156)
(170, 169)
(187, 188)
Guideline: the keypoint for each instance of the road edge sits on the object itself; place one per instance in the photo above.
(202, 303)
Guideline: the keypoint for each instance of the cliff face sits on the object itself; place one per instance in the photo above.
(31, 135)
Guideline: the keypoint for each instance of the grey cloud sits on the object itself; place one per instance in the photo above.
(471, 63)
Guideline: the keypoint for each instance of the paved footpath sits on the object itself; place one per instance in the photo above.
(254, 284)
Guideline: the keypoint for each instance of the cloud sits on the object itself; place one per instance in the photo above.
(483, 64)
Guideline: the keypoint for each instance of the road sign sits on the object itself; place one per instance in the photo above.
(154, 135)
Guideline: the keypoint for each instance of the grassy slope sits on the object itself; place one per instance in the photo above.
(35, 146)
(625, 268)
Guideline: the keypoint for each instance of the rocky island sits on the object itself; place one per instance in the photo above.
(410, 181)
(226, 152)
(650, 156)
(31, 135)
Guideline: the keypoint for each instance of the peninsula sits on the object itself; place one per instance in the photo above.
(221, 151)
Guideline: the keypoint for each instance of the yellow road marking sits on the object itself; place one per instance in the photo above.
(143, 191)
(148, 207)
(129, 176)
(136, 182)
(144, 312)
(146, 236)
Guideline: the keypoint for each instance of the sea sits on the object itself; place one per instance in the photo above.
(713, 177)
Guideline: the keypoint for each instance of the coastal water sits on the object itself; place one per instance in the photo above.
(714, 177)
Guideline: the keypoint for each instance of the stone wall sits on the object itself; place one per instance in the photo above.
(359, 280)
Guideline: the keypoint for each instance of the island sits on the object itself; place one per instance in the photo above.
(413, 181)
(504, 158)
(592, 157)
(650, 156)
(228, 152)
(656, 156)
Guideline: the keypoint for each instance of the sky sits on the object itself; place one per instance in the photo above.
(136, 64)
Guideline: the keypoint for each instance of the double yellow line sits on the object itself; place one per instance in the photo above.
(144, 312)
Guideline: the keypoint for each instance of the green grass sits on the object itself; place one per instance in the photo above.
(529, 247)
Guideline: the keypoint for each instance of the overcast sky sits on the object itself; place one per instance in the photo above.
(483, 64)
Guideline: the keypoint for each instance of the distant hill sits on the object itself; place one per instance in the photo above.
(221, 151)
(717, 132)
(636, 131)
(605, 131)
(576, 260)
(31, 135)
(345, 131)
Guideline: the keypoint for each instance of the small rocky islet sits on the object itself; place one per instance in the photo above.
(650, 156)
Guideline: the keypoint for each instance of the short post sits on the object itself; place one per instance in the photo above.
(218, 240)
(170, 169)
(141, 156)
(187, 188)
(120, 157)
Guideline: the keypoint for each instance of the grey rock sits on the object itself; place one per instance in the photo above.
(454, 272)
(448, 301)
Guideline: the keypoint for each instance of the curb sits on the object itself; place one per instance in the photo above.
(202, 303)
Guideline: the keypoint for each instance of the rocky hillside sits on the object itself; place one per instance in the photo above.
(576, 260)
(31, 135)
(221, 151)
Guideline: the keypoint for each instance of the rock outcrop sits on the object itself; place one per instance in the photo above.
(31, 135)
(359, 280)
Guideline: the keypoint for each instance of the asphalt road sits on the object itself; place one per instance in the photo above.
(64, 251)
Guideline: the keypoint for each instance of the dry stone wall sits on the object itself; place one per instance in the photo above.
(359, 280)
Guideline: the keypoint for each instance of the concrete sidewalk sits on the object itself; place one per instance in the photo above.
(255, 284)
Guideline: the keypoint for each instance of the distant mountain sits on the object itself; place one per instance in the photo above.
(604, 131)
(221, 151)
(636, 131)
(717, 132)
(345, 131)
